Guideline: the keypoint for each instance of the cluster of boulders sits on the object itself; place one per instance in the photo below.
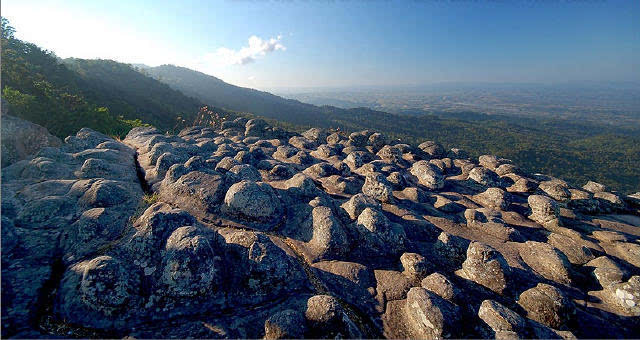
(60, 206)
(244, 230)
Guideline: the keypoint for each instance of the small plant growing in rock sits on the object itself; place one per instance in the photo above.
(207, 117)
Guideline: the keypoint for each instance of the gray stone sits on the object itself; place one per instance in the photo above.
(489, 161)
(390, 153)
(556, 189)
(96, 292)
(546, 261)
(451, 248)
(494, 198)
(21, 138)
(430, 316)
(432, 148)
(377, 141)
(490, 222)
(625, 296)
(253, 201)
(357, 204)
(329, 239)
(440, 285)
(359, 139)
(575, 252)
(190, 265)
(543, 209)
(416, 265)
(246, 172)
(504, 169)
(505, 323)
(487, 267)
(301, 142)
(376, 186)
(428, 175)
(301, 185)
(547, 305)
(484, 176)
(287, 324)
(606, 271)
(316, 135)
(328, 319)
(594, 187)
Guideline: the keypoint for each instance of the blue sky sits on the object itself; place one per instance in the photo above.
(306, 43)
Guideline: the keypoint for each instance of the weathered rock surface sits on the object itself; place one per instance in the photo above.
(487, 267)
(547, 261)
(505, 323)
(21, 139)
(242, 230)
(57, 215)
(428, 175)
(440, 285)
(543, 209)
(252, 201)
(429, 316)
(625, 296)
(548, 305)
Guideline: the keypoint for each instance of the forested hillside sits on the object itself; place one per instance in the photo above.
(104, 95)
(40, 89)
(132, 94)
(215, 91)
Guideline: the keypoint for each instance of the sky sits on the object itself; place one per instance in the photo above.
(343, 43)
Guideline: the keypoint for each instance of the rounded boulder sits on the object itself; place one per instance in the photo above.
(253, 201)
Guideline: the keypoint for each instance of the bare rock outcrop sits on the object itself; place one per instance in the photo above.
(548, 305)
(547, 261)
(243, 230)
(21, 139)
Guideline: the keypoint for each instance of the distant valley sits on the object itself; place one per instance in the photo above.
(615, 103)
(575, 145)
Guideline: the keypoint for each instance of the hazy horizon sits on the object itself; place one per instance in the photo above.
(338, 44)
(455, 85)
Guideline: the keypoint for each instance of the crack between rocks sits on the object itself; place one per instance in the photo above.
(140, 173)
(44, 320)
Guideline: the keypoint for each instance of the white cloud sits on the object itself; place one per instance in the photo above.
(257, 48)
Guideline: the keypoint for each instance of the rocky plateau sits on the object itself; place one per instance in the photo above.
(242, 230)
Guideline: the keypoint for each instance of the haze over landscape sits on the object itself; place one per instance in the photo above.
(486, 65)
(320, 169)
(273, 44)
